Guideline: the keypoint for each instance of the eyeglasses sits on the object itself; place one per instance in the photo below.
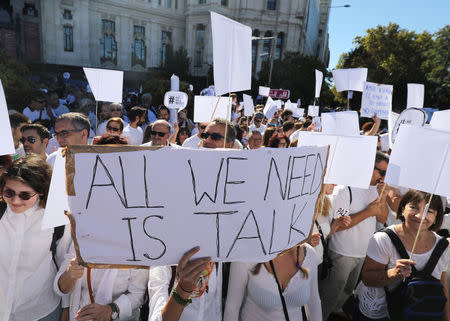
(214, 136)
(116, 109)
(382, 172)
(114, 129)
(64, 133)
(257, 120)
(160, 134)
(24, 196)
(202, 127)
(29, 139)
(272, 125)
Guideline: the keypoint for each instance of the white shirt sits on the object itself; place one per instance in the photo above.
(262, 128)
(34, 114)
(353, 242)
(27, 270)
(61, 109)
(256, 297)
(325, 226)
(101, 129)
(192, 142)
(208, 307)
(134, 135)
(52, 144)
(174, 146)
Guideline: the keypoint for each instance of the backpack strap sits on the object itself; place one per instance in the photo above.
(351, 196)
(3, 207)
(58, 232)
(439, 249)
(322, 239)
(398, 245)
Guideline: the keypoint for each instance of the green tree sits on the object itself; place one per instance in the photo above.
(15, 80)
(177, 63)
(398, 56)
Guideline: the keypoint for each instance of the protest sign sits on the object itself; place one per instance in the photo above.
(7, 144)
(350, 159)
(249, 106)
(441, 120)
(393, 116)
(207, 108)
(420, 159)
(415, 96)
(57, 201)
(236, 205)
(232, 52)
(341, 123)
(280, 93)
(175, 100)
(106, 85)
(376, 100)
(264, 91)
(270, 108)
(319, 79)
(296, 112)
(313, 111)
(349, 79)
(411, 116)
(384, 141)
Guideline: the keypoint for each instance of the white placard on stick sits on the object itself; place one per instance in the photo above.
(296, 112)
(393, 116)
(264, 91)
(350, 160)
(441, 120)
(7, 143)
(212, 202)
(344, 123)
(384, 141)
(319, 79)
(420, 159)
(376, 100)
(206, 108)
(415, 96)
(175, 100)
(270, 108)
(313, 111)
(232, 52)
(349, 79)
(411, 116)
(106, 85)
(249, 106)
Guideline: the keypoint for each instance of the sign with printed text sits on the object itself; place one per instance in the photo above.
(175, 100)
(376, 100)
(280, 93)
(410, 116)
(237, 205)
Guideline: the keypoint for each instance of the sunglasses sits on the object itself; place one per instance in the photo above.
(272, 125)
(202, 127)
(29, 139)
(160, 134)
(114, 129)
(64, 133)
(382, 172)
(214, 136)
(257, 120)
(24, 196)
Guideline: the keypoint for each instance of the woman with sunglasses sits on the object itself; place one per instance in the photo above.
(27, 268)
(385, 268)
(114, 126)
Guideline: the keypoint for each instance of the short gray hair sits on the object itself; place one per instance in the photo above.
(231, 131)
(78, 120)
(163, 122)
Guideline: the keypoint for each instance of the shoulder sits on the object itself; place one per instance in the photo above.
(311, 256)
(51, 158)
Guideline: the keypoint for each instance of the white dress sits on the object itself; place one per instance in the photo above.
(256, 297)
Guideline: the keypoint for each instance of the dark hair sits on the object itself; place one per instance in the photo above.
(44, 122)
(17, 118)
(286, 112)
(231, 131)
(380, 156)
(31, 170)
(5, 161)
(288, 125)
(108, 139)
(78, 120)
(268, 133)
(117, 120)
(42, 132)
(415, 197)
(136, 112)
(161, 107)
(306, 124)
(274, 141)
(180, 131)
(38, 95)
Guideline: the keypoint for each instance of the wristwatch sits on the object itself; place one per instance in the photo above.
(115, 311)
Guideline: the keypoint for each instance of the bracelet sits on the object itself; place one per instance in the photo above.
(179, 299)
(179, 284)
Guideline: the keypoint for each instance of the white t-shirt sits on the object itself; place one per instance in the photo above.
(373, 299)
(325, 226)
(353, 241)
(262, 128)
(34, 114)
(101, 129)
(192, 142)
(134, 135)
(60, 110)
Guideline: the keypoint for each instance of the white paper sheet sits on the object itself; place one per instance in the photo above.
(411, 116)
(415, 96)
(106, 85)
(345, 123)
(319, 79)
(205, 106)
(264, 91)
(376, 100)
(441, 120)
(249, 106)
(313, 111)
(349, 79)
(7, 143)
(270, 108)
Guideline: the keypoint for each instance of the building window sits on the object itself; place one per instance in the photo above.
(166, 43)
(108, 44)
(279, 48)
(67, 14)
(201, 1)
(224, 3)
(167, 3)
(199, 45)
(271, 4)
(138, 50)
(267, 46)
(29, 10)
(176, 4)
(255, 48)
(68, 38)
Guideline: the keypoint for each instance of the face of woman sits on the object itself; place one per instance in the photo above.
(19, 196)
(113, 128)
(413, 214)
(282, 143)
(182, 137)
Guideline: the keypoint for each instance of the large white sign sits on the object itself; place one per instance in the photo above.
(376, 100)
(349, 79)
(411, 116)
(441, 120)
(206, 108)
(350, 160)
(7, 144)
(236, 205)
(232, 52)
(344, 123)
(420, 159)
(106, 85)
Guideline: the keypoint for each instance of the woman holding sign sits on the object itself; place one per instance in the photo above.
(30, 254)
(388, 264)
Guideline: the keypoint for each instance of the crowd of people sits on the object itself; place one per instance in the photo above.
(348, 269)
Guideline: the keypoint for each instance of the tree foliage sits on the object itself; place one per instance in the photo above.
(398, 56)
(15, 80)
(177, 63)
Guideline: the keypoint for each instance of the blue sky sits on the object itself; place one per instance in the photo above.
(347, 23)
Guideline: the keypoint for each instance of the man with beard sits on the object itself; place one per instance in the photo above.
(133, 132)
